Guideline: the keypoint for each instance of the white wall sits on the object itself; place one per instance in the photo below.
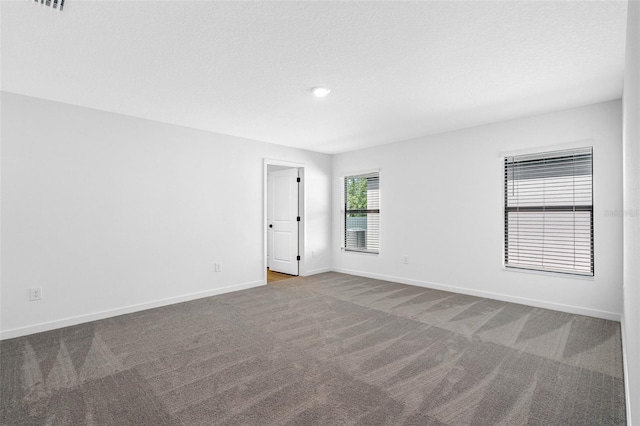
(109, 213)
(631, 289)
(441, 205)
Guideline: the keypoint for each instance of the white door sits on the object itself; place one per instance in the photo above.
(282, 221)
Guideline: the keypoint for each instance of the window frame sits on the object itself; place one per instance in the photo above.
(549, 153)
(345, 211)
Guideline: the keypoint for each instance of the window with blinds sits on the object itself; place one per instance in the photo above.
(362, 212)
(548, 211)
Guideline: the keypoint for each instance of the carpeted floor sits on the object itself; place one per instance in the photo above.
(330, 349)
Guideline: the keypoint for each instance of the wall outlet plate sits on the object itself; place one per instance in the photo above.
(35, 293)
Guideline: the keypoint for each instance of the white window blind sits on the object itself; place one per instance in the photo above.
(362, 212)
(548, 211)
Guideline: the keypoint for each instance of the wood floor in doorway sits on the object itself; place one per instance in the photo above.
(273, 276)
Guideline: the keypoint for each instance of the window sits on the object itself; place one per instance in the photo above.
(548, 211)
(362, 212)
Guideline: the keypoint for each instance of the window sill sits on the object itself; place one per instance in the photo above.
(549, 273)
(346, 250)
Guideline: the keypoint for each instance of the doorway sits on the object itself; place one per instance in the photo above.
(284, 220)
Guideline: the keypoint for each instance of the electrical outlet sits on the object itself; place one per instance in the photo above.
(218, 267)
(406, 260)
(35, 293)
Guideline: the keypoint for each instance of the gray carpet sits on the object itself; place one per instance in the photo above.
(331, 349)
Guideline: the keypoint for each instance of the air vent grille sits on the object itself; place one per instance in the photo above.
(56, 4)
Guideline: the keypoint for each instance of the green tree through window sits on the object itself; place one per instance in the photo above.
(356, 193)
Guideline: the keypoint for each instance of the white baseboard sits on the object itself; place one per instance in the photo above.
(317, 271)
(625, 371)
(489, 295)
(65, 322)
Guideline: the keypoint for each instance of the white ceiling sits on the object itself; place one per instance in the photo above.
(397, 70)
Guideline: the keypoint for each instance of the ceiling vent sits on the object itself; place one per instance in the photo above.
(56, 4)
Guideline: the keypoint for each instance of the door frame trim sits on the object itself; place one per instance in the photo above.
(302, 208)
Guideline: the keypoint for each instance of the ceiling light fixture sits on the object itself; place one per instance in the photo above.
(320, 92)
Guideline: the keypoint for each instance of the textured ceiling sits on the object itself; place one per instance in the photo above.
(397, 70)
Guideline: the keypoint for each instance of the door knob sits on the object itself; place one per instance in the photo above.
(270, 226)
